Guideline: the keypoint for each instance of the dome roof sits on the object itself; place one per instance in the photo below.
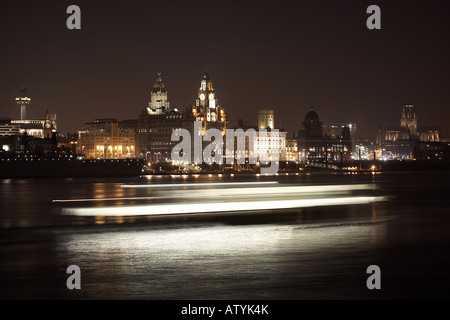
(311, 116)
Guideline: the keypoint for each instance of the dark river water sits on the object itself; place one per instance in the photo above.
(315, 251)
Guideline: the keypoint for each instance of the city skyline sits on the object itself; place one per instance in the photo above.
(251, 121)
(302, 56)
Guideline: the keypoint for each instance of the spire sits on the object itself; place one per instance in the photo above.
(159, 85)
(205, 74)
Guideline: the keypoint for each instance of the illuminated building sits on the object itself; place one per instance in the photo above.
(40, 128)
(156, 123)
(49, 125)
(398, 142)
(8, 129)
(34, 128)
(266, 119)
(334, 131)
(314, 145)
(23, 100)
(431, 151)
(155, 132)
(268, 143)
(9, 136)
(365, 149)
(158, 98)
(207, 108)
(106, 139)
(292, 149)
(37, 136)
(271, 144)
(429, 134)
(44, 128)
(155, 127)
(408, 120)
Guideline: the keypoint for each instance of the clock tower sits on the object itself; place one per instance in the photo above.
(206, 105)
(49, 125)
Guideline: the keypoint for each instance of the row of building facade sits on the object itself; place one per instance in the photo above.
(150, 135)
(28, 135)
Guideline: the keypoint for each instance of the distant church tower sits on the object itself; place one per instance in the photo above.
(158, 98)
(409, 119)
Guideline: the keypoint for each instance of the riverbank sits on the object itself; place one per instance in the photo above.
(56, 167)
(35, 167)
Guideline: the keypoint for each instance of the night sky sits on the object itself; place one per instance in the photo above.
(282, 55)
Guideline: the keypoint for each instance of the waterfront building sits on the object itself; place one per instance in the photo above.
(313, 145)
(39, 128)
(106, 139)
(431, 151)
(334, 130)
(266, 119)
(268, 143)
(155, 132)
(155, 128)
(9, 136)
(207, 109)
(29, 135)
(292, 153)
(158, 98)
(398, 142)
(7, 128)
(365, 148)
(271, 144)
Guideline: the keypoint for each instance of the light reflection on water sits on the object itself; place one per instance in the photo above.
(225, 261)
(311, 253)
(221, 197)
(28, 202)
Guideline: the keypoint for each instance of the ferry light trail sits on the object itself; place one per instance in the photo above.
(186, 208)
(215, 200)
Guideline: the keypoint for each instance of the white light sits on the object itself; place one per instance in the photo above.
(105, 199)
(194, 184)
(281, 191)
(186, 208)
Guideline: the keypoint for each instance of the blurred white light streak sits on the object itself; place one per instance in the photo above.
(186, 208)
(277, 191)
(106, 199)
(170, 185)
(236, 192)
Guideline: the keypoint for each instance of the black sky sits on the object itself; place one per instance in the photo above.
(283, 55)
